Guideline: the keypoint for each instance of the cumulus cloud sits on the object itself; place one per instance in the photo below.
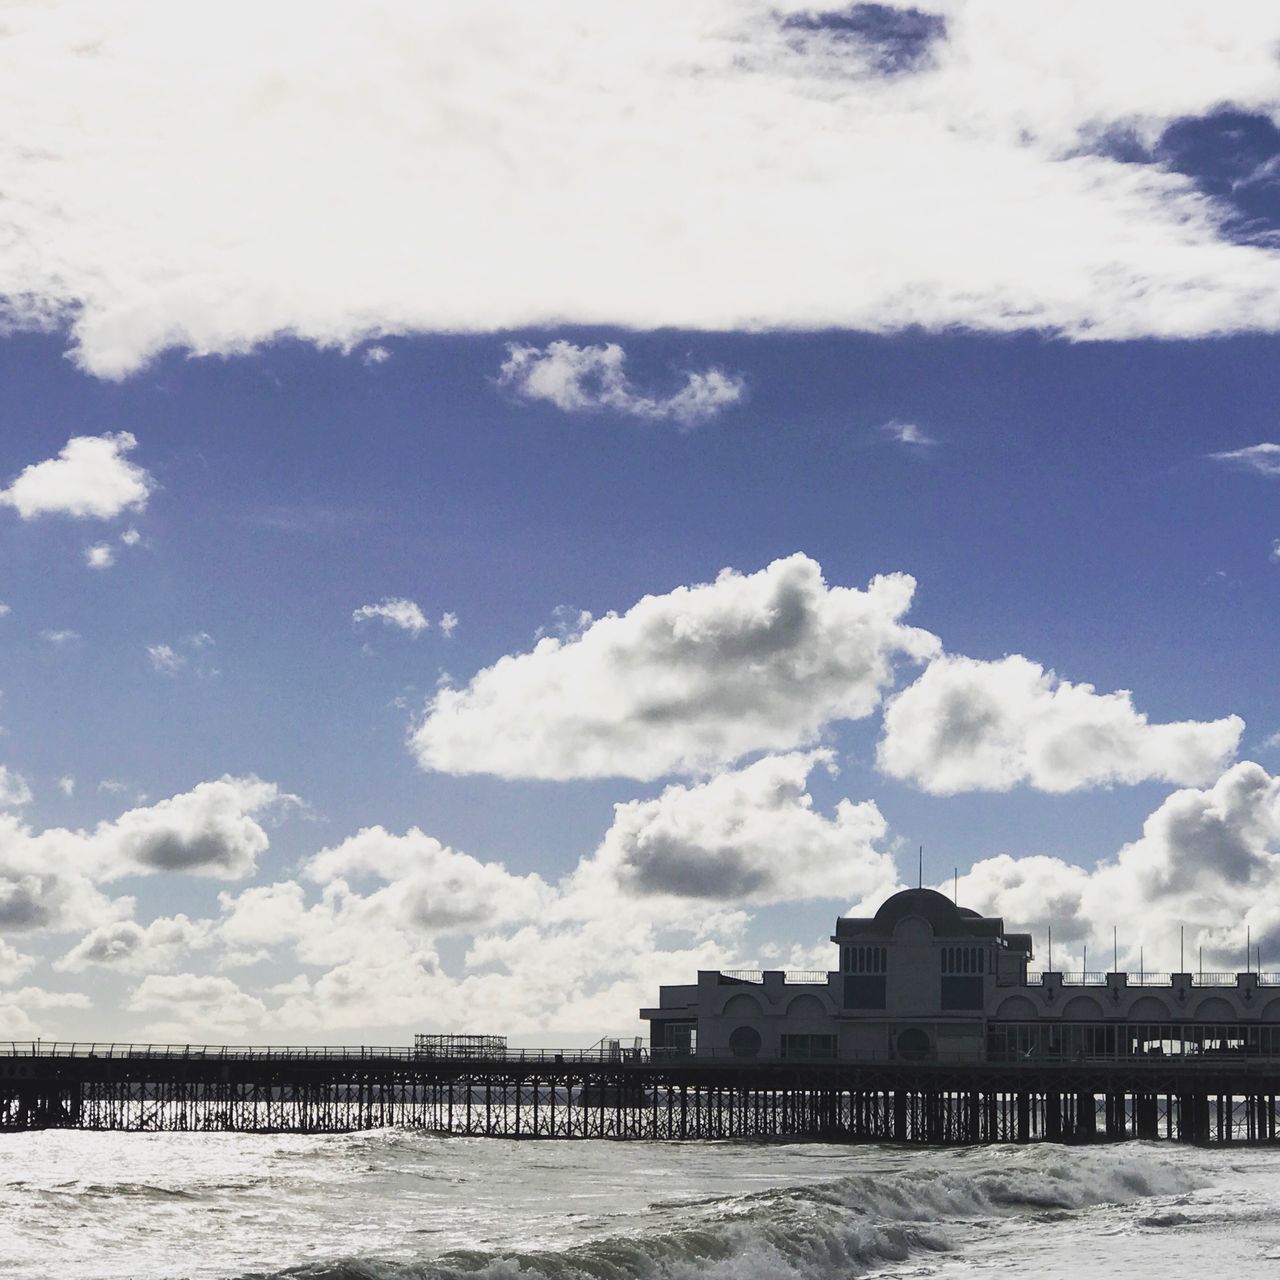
(89, 479)
(448, 624)
(128, 947)
(430, 887)
(1207, 859)
(395, 611)
(751, 836)
(50, 879)
(100, 556)
(722, 165)
(576, 379)
(967, 725)
(195, 1005)
(682, 682)
(1262, 458)
(208, 831)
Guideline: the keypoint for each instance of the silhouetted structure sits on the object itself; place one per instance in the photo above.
(930, 1031)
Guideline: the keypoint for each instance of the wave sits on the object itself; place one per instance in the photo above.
(839, 1228)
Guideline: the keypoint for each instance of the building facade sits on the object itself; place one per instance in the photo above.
(925, 980)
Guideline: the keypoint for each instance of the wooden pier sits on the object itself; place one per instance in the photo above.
(546, 1094)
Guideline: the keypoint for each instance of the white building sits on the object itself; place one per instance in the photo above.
(924, 979)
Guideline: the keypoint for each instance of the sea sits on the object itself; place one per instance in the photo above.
(397, 1204)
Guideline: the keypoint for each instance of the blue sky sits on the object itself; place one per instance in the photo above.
(1023, 402)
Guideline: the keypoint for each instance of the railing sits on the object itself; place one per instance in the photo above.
(790, 977)
(310, 1052)
(1144, 979)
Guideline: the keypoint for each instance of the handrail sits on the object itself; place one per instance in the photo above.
(805, 977)
(1095, 978)
(755, 976)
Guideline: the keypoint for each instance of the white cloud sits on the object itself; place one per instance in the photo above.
(1262, 458)
(448, 624)
(50, 880)
(682, 682)
(59, 639)
(375, 355)
(576, 379)
(1207, 859)
(5, 610)
(209, 830)
(1275, 551)
(14, 791)
(100, 556)
(718, 165)
(966, 725)
(89, 479)
(126, 946)
(395, 611)
(131, 537)
(908, 433)
(165, 659)
(195, 1005)
(747, 837)
(67, 785)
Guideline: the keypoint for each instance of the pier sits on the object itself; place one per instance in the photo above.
(622, 1093)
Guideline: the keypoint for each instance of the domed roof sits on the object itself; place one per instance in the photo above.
(938, 910)
(944, 918)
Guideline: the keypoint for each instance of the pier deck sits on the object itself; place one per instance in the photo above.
(631, 1095)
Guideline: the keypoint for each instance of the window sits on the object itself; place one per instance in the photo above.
(860, 959)
(802, 1046)
(964, 960)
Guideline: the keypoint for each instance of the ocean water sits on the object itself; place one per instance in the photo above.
(392, 1205)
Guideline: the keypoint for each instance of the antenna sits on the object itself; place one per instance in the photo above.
(955, 885)
(1051, 948)
(920, 870)
(1182, 948)
(1248, 948)
(1115, 949)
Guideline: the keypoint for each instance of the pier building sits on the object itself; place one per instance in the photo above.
(926, 980)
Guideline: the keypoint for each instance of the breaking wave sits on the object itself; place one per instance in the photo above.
(818, 1231)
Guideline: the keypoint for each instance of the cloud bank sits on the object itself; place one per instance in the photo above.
(735, 164)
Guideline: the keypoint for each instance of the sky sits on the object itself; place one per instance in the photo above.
(502, 507)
